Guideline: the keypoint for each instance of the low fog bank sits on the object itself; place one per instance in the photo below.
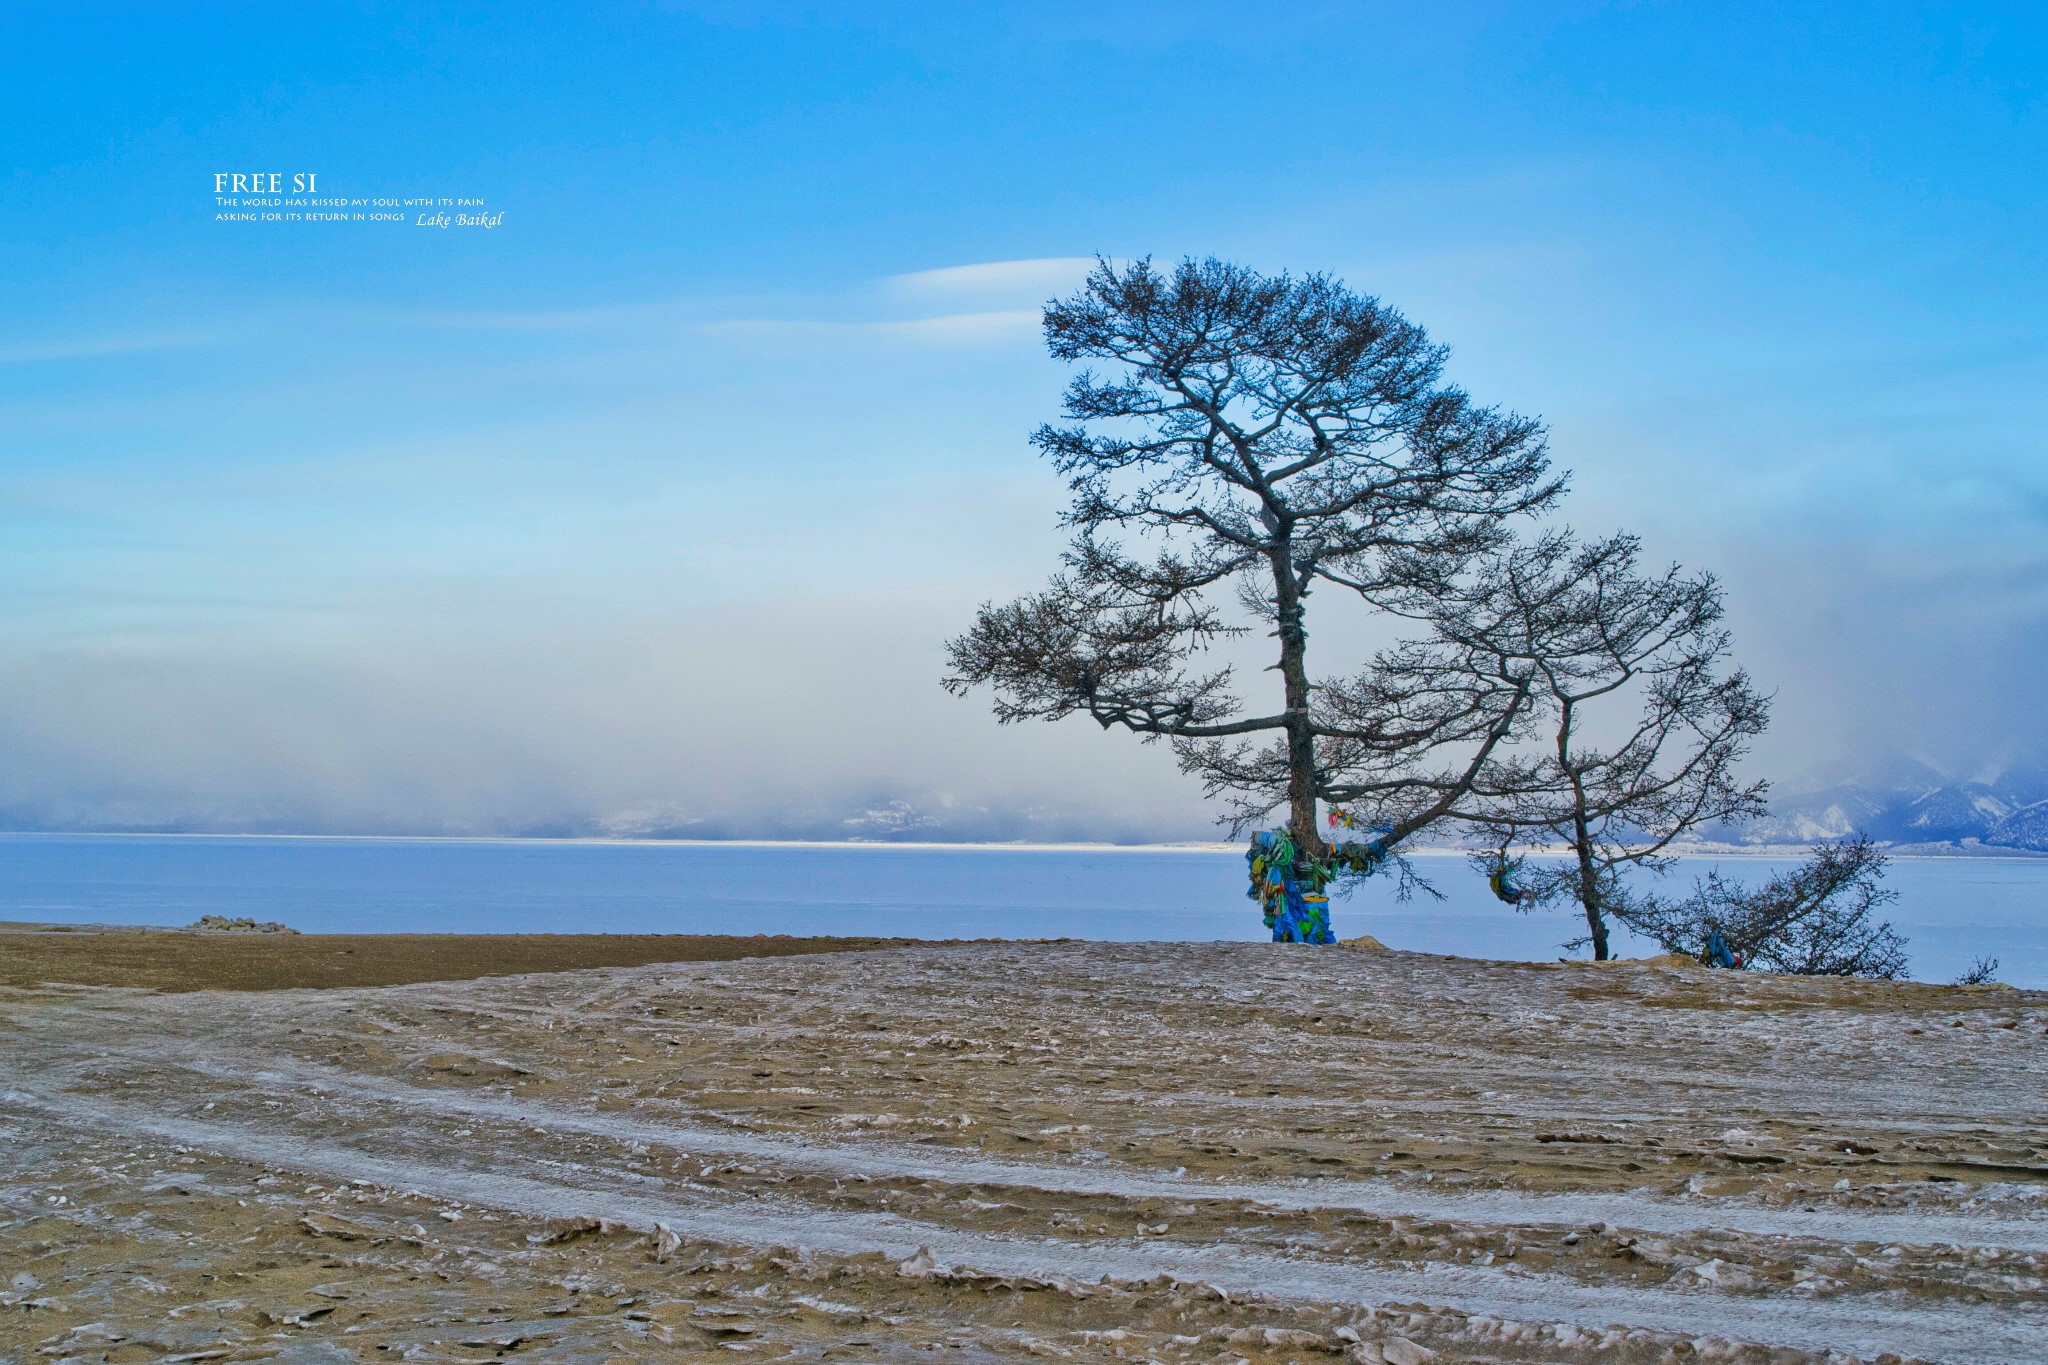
(820, 722)
(521, 715)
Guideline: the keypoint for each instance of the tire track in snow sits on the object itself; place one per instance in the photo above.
(886, 1160)
(1976, 1335)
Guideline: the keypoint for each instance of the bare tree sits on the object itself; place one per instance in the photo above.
(1983, 972)
(1260, 437)
(1815, 920)
(1636, 726)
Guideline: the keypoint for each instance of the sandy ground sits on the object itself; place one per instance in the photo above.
(184, 960)
(1207, 1153)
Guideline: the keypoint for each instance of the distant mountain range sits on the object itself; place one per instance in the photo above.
(1910, 805)
(1903, 803)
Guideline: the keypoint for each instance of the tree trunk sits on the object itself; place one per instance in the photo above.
(1301, 749)
(1589, 896)
(1582, 838)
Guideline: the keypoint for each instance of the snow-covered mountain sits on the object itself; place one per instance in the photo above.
(1903, 801)
(2026, 827)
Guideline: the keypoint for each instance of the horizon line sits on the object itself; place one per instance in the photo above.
(1702, 850)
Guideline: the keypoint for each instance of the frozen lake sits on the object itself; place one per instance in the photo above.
(1951, 909)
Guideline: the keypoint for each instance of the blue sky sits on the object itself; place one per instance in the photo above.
(652, 504)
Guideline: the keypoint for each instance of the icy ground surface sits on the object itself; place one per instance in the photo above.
(1084, 1151)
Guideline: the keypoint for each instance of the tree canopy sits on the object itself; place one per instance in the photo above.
(1252, 438)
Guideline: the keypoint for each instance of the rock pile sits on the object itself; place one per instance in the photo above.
(221, 924)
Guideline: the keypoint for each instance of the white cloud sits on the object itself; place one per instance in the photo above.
(92, 348)
(946, 329)
(553, 320)
(1049, 274)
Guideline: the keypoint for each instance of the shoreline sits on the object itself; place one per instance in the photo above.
(1773, 852)
(172, 959)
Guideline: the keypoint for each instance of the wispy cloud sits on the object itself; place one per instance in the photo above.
(1009, 292)
(1042, 275)
(553, 319)
(94, 348)
(946, 329)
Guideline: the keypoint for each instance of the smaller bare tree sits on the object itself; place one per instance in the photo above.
(1815, 920)
(1983, 972)
(1637, 722)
